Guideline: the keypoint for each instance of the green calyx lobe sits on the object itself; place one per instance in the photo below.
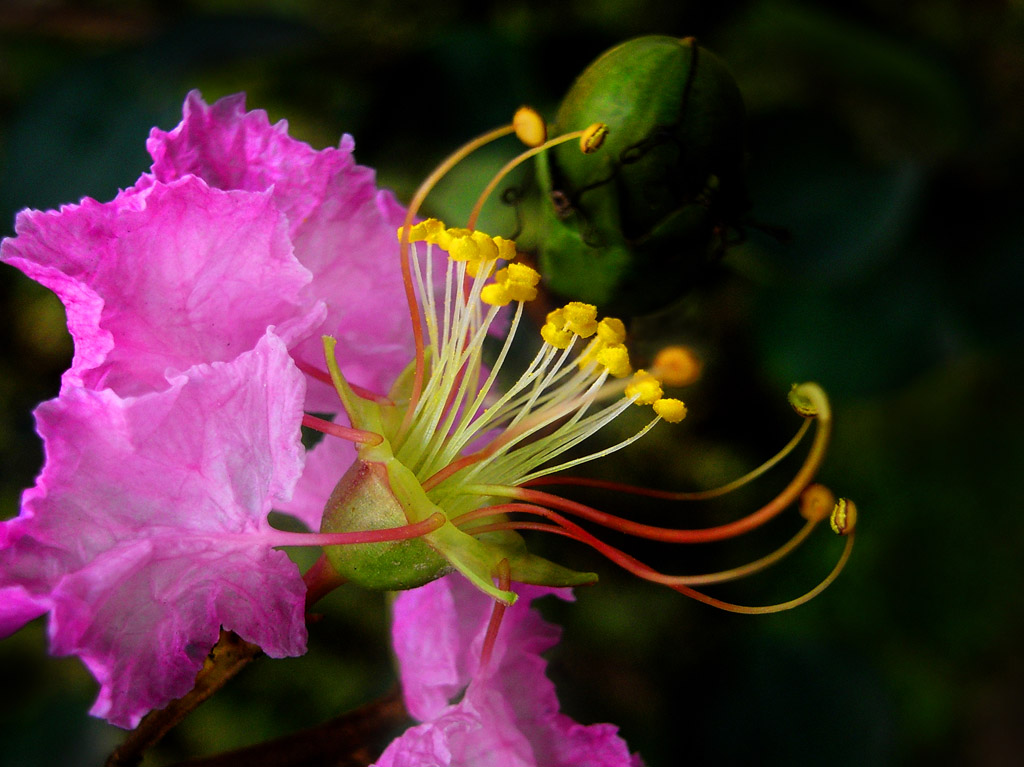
(379, 492)
(630, 227)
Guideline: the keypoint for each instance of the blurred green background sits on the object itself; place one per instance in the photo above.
(886, 138)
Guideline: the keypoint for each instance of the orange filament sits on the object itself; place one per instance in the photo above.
(337, 430)
(682, 584)
(410, 291)
(670, 535)
(671, 495)
(504, 579)
(511, 165)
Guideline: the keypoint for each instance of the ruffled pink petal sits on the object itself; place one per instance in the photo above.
(162, 279)
(18, 606)
(508, 715)
(341, 225)
(144, 529)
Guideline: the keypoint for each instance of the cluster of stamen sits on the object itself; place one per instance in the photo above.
(478, 450)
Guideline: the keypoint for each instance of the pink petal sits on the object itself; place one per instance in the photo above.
(165, 278)
(508, 715)
(144, 529)
(341, 225)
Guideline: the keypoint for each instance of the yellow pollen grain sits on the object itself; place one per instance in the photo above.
(616, 358)
(529, 126)
(521, 282)
(486, 245)
(677, 366)
(506, 248)
(557, 337)
(645, 387)
(495, 294)
(611, 330)
(463, 249)
(581, 318)
(424, 231)
(671, 410)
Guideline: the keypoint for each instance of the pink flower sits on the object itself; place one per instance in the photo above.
(190, 296)
(508, 714)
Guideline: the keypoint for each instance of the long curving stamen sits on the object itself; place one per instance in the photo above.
(672, 495)
(705, 579)
(401, 533)
(344, 432)
(514, 163)
(504, 578)
(571, 530)
(818, 402)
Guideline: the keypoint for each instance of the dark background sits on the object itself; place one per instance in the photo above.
(885, 137)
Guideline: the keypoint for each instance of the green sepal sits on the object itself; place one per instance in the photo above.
(362, 413)
(525, 567)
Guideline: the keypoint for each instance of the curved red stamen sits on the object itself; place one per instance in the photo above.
(497, 613)
(322, 375)
(671, 495)
(385, 535)
(571, 530)
(671, 535)
(344, 432)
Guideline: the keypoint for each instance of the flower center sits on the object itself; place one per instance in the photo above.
(450, 459)
(559, 400)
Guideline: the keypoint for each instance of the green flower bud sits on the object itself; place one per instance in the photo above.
(629, 227)
(364, 500)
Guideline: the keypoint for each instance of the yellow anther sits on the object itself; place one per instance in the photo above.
(677, 366)
(616, 359)
(424, 231)
(556, 317)
(521, 282)
(495, 294)
(645, 388)
(523, 273)
(486, 245)
(611, 330)
(557, 337)
(506, 248)
(816, 502)
(580, 318)
(443, 238)
(844, 517)
(671, 410)
(529, 126)
(801, 404)
(463, 249)
(515, 282)
(593, 137)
